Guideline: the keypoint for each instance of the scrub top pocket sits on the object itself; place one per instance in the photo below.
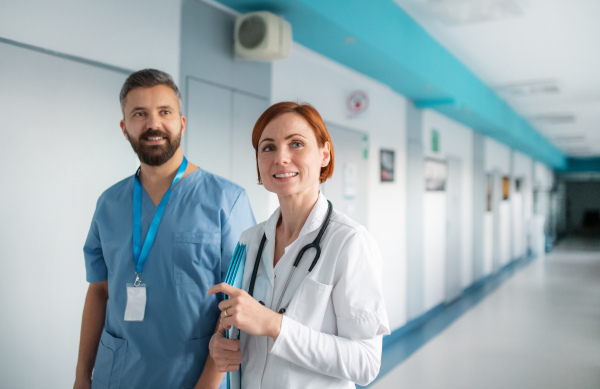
(193, 258)
(109, 362)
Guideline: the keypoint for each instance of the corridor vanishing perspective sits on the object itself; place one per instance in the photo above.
(537, 330)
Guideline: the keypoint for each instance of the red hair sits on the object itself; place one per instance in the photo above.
(312, 117)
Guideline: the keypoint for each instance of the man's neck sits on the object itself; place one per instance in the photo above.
(157, 177)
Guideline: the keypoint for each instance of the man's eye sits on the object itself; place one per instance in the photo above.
(138, 114)
(165, 112)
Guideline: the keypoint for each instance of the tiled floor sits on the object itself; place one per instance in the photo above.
(539, 330)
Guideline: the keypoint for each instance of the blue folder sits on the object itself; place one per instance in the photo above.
(234, 277)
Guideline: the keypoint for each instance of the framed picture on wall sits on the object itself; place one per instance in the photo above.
(386, 158)
(490, 191)
(436, 173)
(505, 187)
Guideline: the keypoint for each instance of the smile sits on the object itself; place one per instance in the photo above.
(155, 138)
(286, 175)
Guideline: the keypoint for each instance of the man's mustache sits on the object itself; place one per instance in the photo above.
(154, 133)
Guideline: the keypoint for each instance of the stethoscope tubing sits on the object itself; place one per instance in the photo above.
(314, 244)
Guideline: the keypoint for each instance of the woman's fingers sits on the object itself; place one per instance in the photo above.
(224, 288)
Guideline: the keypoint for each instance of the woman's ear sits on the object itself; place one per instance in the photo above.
(326, 153)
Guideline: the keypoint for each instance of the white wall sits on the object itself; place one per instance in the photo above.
(132, 34)
(498, 158)
(65, 115)
(543, 176)
(62, 147)
(308, 76)
(522, 168)
(455, 140)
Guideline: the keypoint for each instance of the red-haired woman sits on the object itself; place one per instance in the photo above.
(303, 322)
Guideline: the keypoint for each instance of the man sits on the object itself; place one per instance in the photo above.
(158, 241)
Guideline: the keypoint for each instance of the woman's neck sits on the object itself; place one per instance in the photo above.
(294, 211)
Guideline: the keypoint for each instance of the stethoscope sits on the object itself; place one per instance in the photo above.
(314, 244)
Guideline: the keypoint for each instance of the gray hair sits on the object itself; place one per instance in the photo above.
(147, 78)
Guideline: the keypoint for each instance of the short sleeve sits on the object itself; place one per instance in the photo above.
(357, 293)
(240, 219)
(95, 266)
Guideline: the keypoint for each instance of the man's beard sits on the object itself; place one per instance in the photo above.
(155, 155)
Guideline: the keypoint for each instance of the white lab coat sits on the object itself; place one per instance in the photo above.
(331, 331)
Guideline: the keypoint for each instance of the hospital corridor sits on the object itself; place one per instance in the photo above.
(538, 328)
(457, 141)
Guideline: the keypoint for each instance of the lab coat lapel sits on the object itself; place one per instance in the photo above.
(315, 218)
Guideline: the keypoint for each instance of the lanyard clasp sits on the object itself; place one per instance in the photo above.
(138, 280)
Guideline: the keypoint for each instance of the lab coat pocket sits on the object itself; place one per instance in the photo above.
(310, 304)
(197, 258)
(109, 362)
(196, 354)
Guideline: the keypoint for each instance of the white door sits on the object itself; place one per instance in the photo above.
(219, 137)
(347, 188)
(453, 231)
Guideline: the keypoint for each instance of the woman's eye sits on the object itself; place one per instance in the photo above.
(296, 144)
(268, 148)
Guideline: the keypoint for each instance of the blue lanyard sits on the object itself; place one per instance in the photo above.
(140, 254)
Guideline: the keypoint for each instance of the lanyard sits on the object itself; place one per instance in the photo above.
(140, 254)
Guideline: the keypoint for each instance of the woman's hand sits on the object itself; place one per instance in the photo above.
(247, 314)
(225, 352)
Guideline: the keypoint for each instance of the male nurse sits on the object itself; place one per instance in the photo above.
(158, 240)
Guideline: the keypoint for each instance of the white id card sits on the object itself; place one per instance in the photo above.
(136, 302)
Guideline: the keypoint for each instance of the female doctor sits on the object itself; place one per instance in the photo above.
(313, 323)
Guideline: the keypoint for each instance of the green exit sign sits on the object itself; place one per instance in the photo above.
(435, 141)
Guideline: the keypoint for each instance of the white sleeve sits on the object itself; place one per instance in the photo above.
(353, 360)
(354, 353)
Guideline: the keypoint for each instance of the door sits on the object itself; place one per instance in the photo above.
(454, 229)
(347, 188)
(219, 137)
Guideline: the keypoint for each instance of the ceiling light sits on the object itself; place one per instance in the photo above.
(553, 118)
(456, 12)
(530, 88)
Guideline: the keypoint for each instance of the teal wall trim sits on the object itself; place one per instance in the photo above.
(580, 165)
(379, 39)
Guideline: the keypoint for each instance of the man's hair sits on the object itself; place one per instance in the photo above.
(147, 78)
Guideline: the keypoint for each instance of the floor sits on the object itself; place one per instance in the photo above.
(539, 329)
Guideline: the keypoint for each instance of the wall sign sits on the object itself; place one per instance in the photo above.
(436, 173)
(387, 165)
(435, 140)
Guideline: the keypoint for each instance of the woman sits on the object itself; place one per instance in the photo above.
(318, 325)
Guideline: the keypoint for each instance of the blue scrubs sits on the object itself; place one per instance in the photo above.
(203, 220)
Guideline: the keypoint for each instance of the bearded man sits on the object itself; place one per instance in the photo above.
(158, 240)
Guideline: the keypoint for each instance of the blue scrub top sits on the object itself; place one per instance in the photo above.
(203, 220)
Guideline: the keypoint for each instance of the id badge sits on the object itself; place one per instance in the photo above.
(136, 302)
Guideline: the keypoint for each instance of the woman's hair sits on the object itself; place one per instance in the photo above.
(312, 117)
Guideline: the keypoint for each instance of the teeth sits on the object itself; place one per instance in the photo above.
(155, 138)
(286, 175)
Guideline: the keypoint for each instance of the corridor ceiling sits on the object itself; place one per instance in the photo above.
(525, 72)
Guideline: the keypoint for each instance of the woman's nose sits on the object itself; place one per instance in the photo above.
(282, 156)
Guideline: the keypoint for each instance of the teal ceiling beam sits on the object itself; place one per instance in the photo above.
(379, 39)
(583, 165)
(434, 103)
